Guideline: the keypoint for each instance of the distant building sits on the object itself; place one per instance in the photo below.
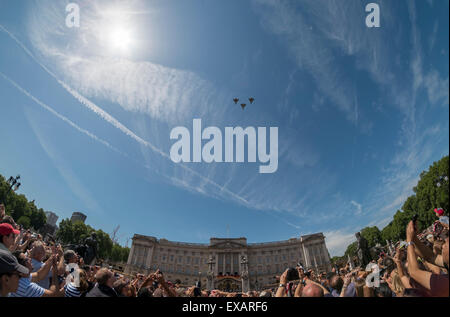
(52, 218)
(227, 264)
(78, 216)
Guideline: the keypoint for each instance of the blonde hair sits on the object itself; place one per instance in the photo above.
(397, 285)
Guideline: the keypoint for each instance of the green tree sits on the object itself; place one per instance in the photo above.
(432, 191)
(72, 233)
(105, 244)
(119, 253)
(24, 221)
(372, 235)
(351, 249)
(38, 218)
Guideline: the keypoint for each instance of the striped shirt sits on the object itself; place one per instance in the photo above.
(28, 289)
(71, 290)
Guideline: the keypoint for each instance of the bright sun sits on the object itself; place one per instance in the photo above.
(120, 38)
(115, 31)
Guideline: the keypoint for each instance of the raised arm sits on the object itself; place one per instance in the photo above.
(426, 253)
(401, 272)
(347, 280)
(281, 291)
(421, 277)
(43, 271)
(54, 290)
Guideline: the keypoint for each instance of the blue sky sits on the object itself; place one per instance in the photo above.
(86, 113)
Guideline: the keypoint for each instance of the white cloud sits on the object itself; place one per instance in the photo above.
(437, 88)
(338, 241)
(358, 207)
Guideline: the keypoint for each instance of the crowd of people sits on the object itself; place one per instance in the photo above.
(31, 266)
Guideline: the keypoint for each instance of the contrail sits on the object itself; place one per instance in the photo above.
(60, 116)
(114, 122)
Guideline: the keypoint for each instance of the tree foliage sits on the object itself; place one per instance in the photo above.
(351, 249)
(372, 235)
(76, 232)
(29, 216)
(431, 191)
(23, 211)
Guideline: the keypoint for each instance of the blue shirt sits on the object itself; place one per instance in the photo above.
(45, 283)
(28, 289)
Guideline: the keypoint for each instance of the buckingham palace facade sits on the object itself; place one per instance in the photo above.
(228, 264)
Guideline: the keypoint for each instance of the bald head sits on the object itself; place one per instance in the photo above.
(312, 290)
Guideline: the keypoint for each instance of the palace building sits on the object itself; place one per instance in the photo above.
(226, 264)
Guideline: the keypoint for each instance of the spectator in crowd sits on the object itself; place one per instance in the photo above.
(104, 287)
(70, 256)
(38, 253)
(7, 236)
(78, 285)
(336, 284)
(312, 290)
(441, 215)
(27, 285)
(10, 273)
(33, 267)
(435, 284)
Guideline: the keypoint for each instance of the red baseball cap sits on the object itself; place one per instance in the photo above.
(439, 211)
(6, 229)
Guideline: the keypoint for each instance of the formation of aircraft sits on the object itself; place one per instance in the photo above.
(243, 105)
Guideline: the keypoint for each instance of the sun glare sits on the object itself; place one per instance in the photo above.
(115, 32)
(120, 39)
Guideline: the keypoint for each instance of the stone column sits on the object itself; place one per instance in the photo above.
(149, 259)
(216, 256)
(306, 254)
(130, 256)
(245, 275)
(231, 263)
(210, 275)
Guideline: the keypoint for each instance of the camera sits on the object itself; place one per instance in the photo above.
(292, 274)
